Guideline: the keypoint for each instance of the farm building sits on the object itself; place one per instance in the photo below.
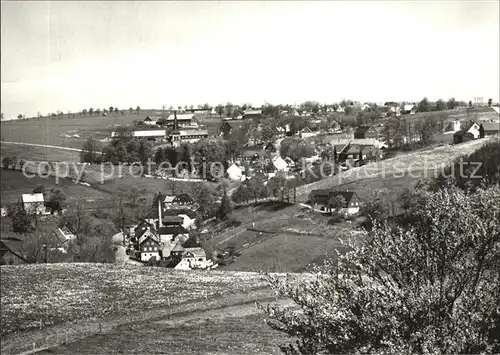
(34, 203)
(190, 136)
(252, 113)
(491, 128)
(183, 119)
(409, 109)
(329, 200)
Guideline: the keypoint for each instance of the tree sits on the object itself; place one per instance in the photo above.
(470, 104)
(6, 162)
(451, 104)
(220, 110)
(88, 152)
(91, 111)
(225, 207)
(440, 105)
(430, 287)
(20, 116)
(490, 101)
(55, 200)
(21, 221)
(424, 105)
(131, 110)
(138, 109)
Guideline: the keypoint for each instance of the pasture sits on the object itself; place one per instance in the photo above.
(13, 184)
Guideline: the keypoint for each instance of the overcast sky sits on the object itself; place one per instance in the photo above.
(74, 55)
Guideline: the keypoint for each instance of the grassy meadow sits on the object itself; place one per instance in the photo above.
(60, 293)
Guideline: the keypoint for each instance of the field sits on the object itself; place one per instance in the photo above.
(30, 153)
(51, 131)
(134, 310)
(59, 293)
(13, 184)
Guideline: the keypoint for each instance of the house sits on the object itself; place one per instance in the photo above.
(171, 233)
(64, 236)
(187, 214)
(182, 119)
(151, 134)
(235, 172)
(366, 132)
(34, 203)
(491, 128)
(149, 247)
(474, 129)
(329, 200)
(179, 200)
(189, 136)
(150, 121)
(4, 212)
(409, 109)
(280, 164)
(307, 132)
(252, 113)
(193, 258)
(462, 136)
(9, 253)
(365, 107)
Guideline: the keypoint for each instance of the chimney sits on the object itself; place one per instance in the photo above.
(160, 222)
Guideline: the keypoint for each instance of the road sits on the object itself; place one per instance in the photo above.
(46, 146)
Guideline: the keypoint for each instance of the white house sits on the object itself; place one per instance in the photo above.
(149, 121)
(193, 258)
(474, 129)
(235, 172)
(280, 164)
(34, 203)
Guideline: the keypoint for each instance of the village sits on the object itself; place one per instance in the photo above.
(291, 149)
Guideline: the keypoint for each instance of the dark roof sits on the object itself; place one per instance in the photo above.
(178, 211)
(141, 228)
(327, 194)
(191, 243)
(175, 230)
(151, 238)
(491, 126)
(169, 220)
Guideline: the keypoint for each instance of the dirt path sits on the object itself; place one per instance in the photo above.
(50, 337)
(46, 146)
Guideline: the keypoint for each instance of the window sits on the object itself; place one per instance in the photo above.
(156, 248)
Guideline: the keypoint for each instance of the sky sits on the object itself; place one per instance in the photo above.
(73, 55)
